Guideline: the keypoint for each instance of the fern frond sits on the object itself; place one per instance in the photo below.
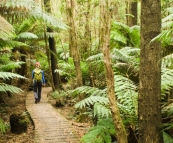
(163, 35)
(101, 133)
(170, 9)
(118, 37)
(11, 44)
(167, 138)
(23, 5)
(9, 75)
(88, 90)
(5, 87)
(168, 110)
(31, 9)
(131, 51)
(166, 80)
(167, 61)
(122, 26)
(101, 111)
(3, 126)
(6, 29)
(167, 18)
(126, 93)
(27, 35)
(11, 65)
(94, 136)
(135, 36)
(118, 55)
(99, 56)
(91, 101)
(166, 24)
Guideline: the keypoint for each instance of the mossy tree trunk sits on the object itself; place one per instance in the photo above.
(150, 74)
(106, 24)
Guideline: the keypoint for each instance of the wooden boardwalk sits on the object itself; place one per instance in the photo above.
(50, 126)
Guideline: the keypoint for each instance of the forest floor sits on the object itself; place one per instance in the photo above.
(16, 105)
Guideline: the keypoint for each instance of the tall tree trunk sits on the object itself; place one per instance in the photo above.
(150, 77)
(55, 75)
(87, 34)
(73, 41)
(133, 11)
(48, 58)
(54, 65)
(106, 24)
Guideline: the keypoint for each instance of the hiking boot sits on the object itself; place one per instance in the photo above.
(36, 100)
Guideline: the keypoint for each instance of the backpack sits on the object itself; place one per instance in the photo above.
(37, 75)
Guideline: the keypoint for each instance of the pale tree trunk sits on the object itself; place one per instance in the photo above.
(87, 35)
(39, 2)
(73, 41)
(101, 34)
(132, 20)
(150, 74)
(106, 23)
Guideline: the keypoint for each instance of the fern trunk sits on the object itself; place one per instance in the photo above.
(106, 22)
(150, 74)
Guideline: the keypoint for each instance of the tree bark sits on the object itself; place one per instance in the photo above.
(106, 24)
(73, 41)
(87, 35)
(133, 11)
(150, 74)
(54, 65)
(52, 47)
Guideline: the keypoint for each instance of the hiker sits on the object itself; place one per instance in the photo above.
(38, 80)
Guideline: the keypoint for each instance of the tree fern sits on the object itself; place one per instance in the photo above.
(31, 9)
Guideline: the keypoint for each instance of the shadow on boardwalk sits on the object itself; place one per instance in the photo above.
(50, 126)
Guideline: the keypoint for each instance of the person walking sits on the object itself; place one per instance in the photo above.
(38, 80)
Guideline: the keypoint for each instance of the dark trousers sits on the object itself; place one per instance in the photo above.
(37, 89)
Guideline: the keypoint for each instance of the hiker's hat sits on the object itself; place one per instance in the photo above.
(37, 64)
